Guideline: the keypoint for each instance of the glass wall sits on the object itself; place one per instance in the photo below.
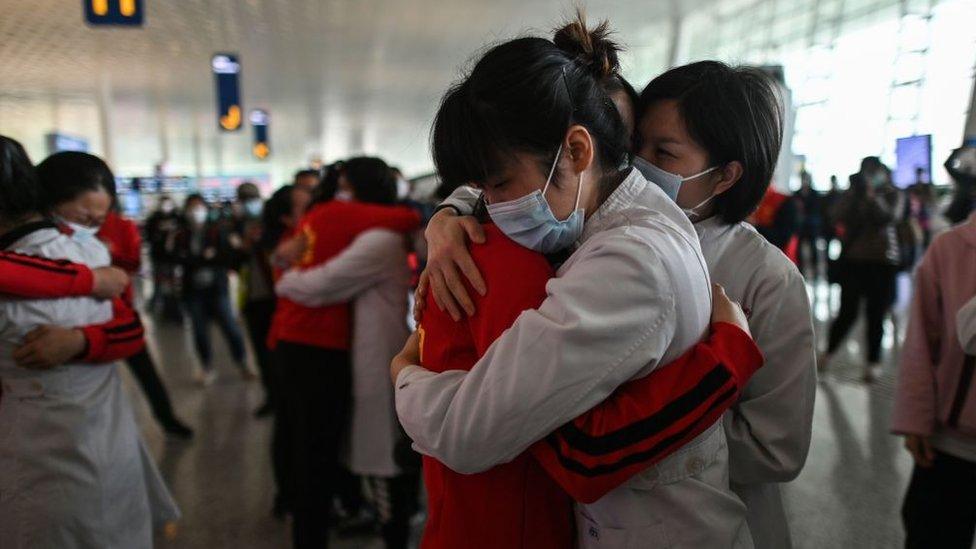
(862, 72)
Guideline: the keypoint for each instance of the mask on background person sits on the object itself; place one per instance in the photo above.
(167, 207)
(197, 215)
(78, 231)
(344, 196)
(530, 222)
(253, 207)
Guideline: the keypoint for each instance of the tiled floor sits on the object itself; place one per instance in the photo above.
(848, 495)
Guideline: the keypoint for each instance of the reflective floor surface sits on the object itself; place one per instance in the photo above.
(848, 495)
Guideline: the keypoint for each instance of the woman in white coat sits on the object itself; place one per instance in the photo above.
(706, 114)
(74, 472)
(534, 129)
(373, 274)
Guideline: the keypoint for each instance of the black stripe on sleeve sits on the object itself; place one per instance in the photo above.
(135, 324)
(575, 466)
(650, 426)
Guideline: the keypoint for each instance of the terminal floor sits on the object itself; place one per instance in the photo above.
(848, 495)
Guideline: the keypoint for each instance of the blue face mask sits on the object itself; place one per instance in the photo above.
(667, 181)
(530, 222)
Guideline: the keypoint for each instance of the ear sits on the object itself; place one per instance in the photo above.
(579, 148)
(731, 174)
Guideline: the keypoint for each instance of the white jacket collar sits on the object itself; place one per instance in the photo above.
(620, 199)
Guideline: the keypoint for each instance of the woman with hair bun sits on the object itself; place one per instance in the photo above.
(586, 279)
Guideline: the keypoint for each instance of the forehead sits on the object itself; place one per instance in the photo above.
(663, 121)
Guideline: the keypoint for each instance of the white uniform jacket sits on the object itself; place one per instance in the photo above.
(634, 295)
(74, 472)
(372, 272)
(769, 428)
(966, 327)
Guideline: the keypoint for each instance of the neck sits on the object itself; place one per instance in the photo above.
(605, 186)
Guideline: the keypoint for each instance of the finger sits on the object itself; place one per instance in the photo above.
(476, 233)
(443, 297)
(35, 334)
(437, 289)
(471, 272)
(459, 292)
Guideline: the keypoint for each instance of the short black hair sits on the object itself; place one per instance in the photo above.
(276, 207)
(735, 114)
(327, 187)
(19, 191)
(66, 175)
(522, 96)
(306, 173)
(195, 197)
(371, 179)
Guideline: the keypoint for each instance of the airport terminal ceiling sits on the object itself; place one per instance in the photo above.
(347, 77)
(337, 77)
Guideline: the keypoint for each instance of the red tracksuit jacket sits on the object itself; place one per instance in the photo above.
(329, 228)
(39, 278)
(644, 421)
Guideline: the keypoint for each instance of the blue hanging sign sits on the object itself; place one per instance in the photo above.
(259, 121)
(114, 12)
(227, 75)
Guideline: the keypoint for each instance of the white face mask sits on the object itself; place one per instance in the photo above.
(667, 181)
(344, 196)
(198, 215)
(253, 207)
(167, 207)
(78, 231)
(529, 220)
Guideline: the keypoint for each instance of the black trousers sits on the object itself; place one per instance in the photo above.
(873, 283)
(142, 367)
(257, 315)
(940, 506)
(316, 401)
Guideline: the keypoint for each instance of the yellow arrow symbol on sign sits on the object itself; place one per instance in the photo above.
(127, 7)
(100, 7)
(232, 120)
(261, 150)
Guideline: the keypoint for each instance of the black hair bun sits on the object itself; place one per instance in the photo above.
(592, 48)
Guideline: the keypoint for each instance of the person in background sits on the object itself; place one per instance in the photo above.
(935, 401)
(311, 348)
(207, 251)
(74, 471)
(277, 224)
(868, 263)
(307, 179)
(257, 286)
(372, 273)
(121, 237)
(810, 206)
(160, 227)
(777, 220)
(921, 204)
(827, 207)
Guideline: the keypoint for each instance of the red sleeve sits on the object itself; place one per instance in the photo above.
(647, 419)
(36, 277)
(119, 338)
